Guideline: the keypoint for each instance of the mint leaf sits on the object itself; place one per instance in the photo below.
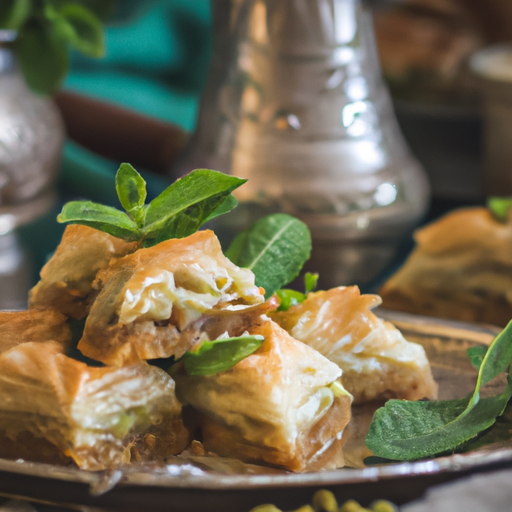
(427, 429)
(220, 355)
(275, 248)
(289, 298)
(187, 204)
(310, 282)
(131, 190)
(87, 36)
(499, 207)
(43, 56)
(14, 13)
(60, 25)
(178, 212)
(403, 430)
(229, 204)
(496, 436)
(98, 216)
(476, 355)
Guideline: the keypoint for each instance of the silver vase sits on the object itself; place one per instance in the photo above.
(31, 138)
(296, 104)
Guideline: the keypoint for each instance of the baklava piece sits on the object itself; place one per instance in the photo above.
(56, 409)
(377, 361)
(283, 405)
(155, 302)
(36, 325)
(66, 280)
(460, 269)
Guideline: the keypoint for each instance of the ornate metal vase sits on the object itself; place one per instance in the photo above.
(31, 138)
(296, 104)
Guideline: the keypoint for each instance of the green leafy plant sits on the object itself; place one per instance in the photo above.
(47, 30)
(275, 248)
(180, 210)
(403, 430)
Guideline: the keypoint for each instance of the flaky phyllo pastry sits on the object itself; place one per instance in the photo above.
(377, 361)
(35, 325)
(461, 269)
(53, 407)
(286, 404)
(283, 405)
(155, 302)
(66, 280)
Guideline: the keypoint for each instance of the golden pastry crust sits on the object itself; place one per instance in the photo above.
(98, 417)
(36, 325)
(66, 280)
(152, 302)
(377, 361)
(461, 269)
(273, 407)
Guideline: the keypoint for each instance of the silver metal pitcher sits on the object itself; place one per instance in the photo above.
(296, 104)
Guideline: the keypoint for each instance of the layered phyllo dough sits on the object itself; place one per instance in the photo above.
(36, 325)
(283, 405)
(377, 361)
(66, 280)
(286, 405)
(461, 269)
(153, 303)
(54, 408)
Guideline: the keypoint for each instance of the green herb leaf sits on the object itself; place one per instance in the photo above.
(105, 218)
(275, 248)
(476, 355)
(404, 430)
(229, 204)
(310, 282)
(496, 436)
(87, 31)
(499, 207)
(187, 204)
(220, 355)
(43, 56)
(14, 13)
(289, 298)
(60, 25)
(131, 190)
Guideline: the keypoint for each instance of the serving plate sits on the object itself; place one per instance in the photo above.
(196, 484)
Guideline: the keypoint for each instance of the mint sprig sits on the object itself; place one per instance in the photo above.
(47, 31)
(177, 212)
(275, 248)
(403, 430)
(217, 356)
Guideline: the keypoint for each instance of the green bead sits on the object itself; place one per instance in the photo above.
(324, 501)
(351, 506)
(383, 506)
(266, 508)
(305, 508)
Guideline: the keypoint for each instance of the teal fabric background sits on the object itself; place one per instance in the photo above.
(155, 63)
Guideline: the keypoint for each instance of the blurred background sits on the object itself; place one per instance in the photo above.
(140, 102)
